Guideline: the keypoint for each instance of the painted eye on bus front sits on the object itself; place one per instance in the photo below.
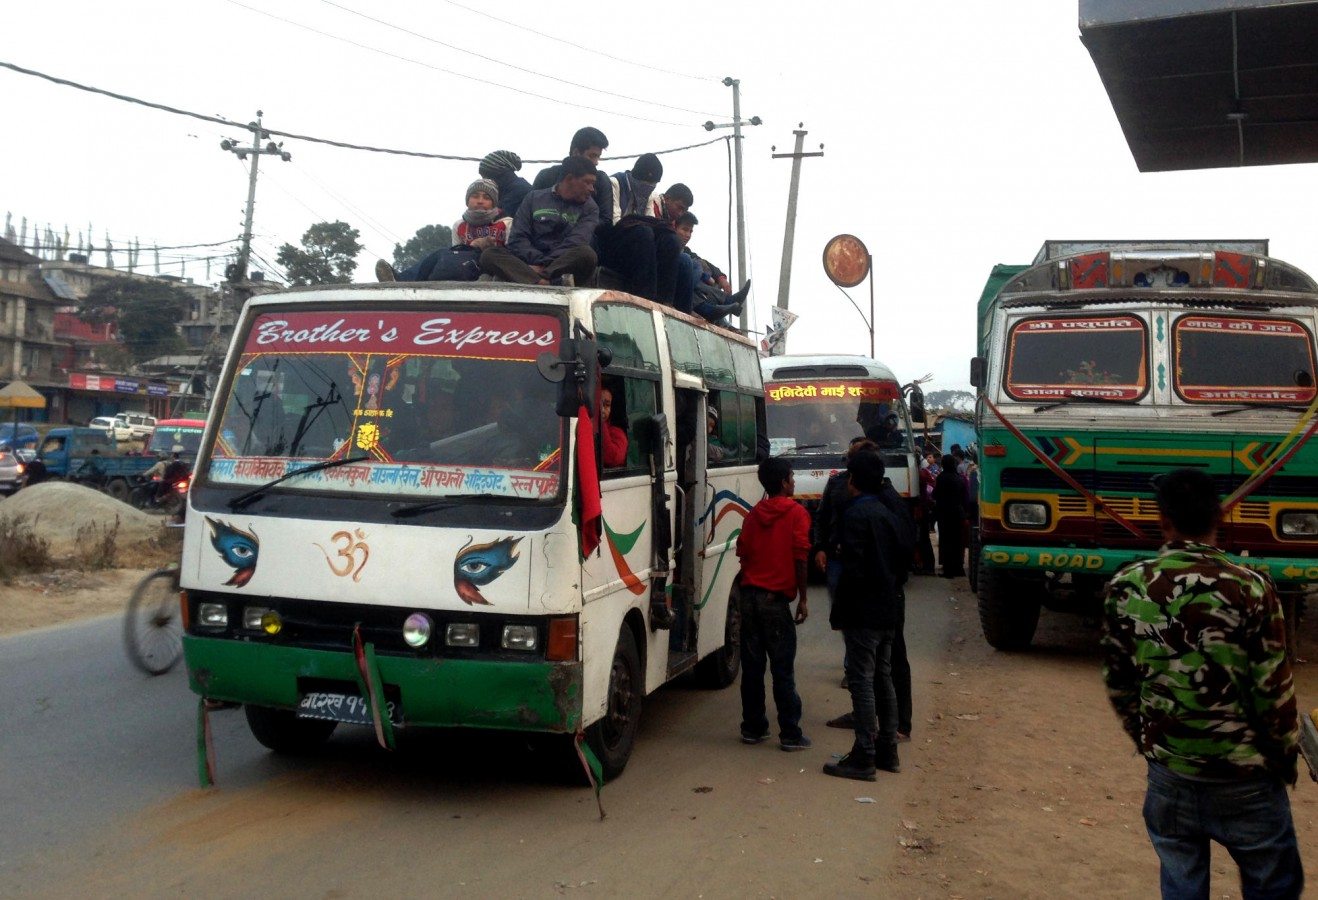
(242, 551)
(474, 567)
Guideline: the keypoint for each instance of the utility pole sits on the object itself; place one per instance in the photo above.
(238, 273)
(735, 125)
(789, 236)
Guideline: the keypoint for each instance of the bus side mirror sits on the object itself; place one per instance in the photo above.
(651, 435)
(915, 405)
(576, 371)
(979, 372)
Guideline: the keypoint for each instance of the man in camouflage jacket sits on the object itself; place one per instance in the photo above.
(1195, 665)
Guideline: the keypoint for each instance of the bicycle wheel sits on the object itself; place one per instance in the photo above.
(153, 627)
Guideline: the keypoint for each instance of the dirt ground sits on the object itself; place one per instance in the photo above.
(1027, 785)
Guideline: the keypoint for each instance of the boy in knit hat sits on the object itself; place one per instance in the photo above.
(483, 225)
(501, 167)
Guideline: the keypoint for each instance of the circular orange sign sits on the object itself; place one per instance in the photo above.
(846, 260)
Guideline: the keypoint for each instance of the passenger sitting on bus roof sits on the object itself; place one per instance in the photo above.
(701, 287)
(666, 207)
(714, 449)
(501, 167)
(639, 246)
(549, 241)
(613, 438)
(483, 225)
(588, 143)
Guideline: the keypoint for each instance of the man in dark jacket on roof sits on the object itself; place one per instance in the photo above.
(589, 144)
(549, 241)
(772, 547)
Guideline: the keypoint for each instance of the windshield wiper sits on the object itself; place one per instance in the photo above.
(418, 509)
(246, 498)
(801, 447)
(1245, 406)
(1067, 402)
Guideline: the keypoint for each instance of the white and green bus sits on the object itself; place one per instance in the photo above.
(402, 516)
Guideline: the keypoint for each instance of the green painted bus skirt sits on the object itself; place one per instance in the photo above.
(507, 694)
(1283, 570)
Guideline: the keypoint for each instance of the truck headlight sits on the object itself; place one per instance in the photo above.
(1027, 515)
(462, 634)
(416, 630)
(1299, 524)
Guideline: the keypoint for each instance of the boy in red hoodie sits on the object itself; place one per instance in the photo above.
(773, 547)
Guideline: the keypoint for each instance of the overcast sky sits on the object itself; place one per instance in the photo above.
(956, 135)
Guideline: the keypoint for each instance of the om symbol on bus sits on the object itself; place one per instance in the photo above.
(350, 556)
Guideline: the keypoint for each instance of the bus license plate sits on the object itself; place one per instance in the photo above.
(348, 708)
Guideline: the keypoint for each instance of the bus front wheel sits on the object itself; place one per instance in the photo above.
(1008, 608)
(283, 732)
(612, 737)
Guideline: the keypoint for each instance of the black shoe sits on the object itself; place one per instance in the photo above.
(846, 720)
(791, 745)
(384, 271)
(661, 617)
(749, 738)
(855, 765)
(740, 297)
(886, 759)
(564, 280)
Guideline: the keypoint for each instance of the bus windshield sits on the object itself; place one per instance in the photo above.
(822, 416)
(1077, 357)
(1232, 359)
(439, 404)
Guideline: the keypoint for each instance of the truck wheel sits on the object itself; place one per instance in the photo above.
(1008, 608)
(283, 732)
(720, 668)
(612, 737)
(118, 489)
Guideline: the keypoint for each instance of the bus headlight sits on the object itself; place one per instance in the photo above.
(212, 615)
(417, 629)
(520, 637)
(252, 617)
(1027, 515)
(1299, 524)
(463, 634)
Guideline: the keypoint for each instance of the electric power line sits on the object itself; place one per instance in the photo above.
(597, 52)
(515, 67)
(476, 78)
(137, 247)
(344, 145)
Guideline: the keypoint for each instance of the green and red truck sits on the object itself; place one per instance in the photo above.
(1105, 363)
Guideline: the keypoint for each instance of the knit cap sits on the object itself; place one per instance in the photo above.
(498, 162)
(485, 186)
(648, 168)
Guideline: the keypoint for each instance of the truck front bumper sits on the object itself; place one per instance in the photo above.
(1283, 570)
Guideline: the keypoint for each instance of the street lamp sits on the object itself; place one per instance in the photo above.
(735, 125)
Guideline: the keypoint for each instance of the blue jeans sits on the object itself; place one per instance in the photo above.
(446, 264)
(1251, 819)
(869, 678)
(768, 632)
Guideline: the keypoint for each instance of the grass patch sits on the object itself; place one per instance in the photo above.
(21, 549)
(98, 546)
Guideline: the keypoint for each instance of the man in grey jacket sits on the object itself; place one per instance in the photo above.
(549, 242)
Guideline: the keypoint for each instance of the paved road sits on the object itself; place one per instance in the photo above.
(98, 781)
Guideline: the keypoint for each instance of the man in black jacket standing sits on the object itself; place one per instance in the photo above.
(867, 610)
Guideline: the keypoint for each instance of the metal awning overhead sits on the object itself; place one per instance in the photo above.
(1200, 84)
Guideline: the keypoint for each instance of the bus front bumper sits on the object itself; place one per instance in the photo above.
(534, 695)
(1282, 570)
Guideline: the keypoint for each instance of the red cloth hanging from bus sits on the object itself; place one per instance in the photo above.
(588, 484)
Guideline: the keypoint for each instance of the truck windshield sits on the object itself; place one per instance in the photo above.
(442, 405)
(822, 416)
(1075, 357)
(1233, 359)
